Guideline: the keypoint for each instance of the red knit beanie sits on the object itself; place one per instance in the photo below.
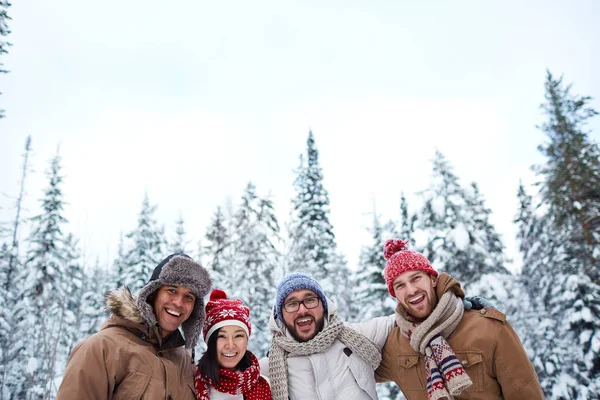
(221, 311)
(400, 259)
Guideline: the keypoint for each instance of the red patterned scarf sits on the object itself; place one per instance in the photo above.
(249, 383)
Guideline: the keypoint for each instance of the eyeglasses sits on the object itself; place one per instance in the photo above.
(294, 305)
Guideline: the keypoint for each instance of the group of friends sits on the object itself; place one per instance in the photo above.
(435, 345)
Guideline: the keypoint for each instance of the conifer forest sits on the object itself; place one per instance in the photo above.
(56, 300)
(52, 288)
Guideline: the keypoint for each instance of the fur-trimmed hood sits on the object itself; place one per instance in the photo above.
(120, 302)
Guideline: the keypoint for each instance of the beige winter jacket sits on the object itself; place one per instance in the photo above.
(486, 345)
(128, 360)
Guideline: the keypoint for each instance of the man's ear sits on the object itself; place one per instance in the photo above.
(434, 280)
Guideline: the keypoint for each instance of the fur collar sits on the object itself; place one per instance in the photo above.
(120, 302)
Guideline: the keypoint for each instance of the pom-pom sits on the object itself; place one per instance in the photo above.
(217, 294)
(393, 246)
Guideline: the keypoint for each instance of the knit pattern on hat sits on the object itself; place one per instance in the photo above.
(297, 281)
(221, 311)
(281, 346)
(178, 270)
(400, 259)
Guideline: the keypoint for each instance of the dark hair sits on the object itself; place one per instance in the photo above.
(208, 364)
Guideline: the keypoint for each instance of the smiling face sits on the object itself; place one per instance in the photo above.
(231, 346)
(172, 306)
(303, 324)
(415, 290)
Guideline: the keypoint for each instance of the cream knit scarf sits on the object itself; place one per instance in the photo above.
(282, 345)
(446, 376)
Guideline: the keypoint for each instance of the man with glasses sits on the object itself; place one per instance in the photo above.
(313, 354)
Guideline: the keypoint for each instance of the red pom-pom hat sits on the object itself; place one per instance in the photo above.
(400, 259)
(221, 311)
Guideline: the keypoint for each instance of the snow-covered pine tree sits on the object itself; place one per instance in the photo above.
(119, 266)
(14, 248)
(96, 284)
(4, 31)
(460, 239)
(564, 259)
(45, 269)
(147, 248)
(72, 282)
(257, 258)
(180, 244)
(370, 296)
(312, 246)
(218, 252)
(570, 178)
(542, 335)
(408, 220)
(12, 324)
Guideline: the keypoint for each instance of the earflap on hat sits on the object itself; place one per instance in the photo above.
(178, 270)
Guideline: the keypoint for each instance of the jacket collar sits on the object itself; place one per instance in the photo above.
(121, 304)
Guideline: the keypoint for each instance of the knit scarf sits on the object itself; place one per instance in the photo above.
(281, 346)
(446, 376)
(248, 383)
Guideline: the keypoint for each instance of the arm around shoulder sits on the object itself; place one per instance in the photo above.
(377, 329)
(514, 371)
(90, 373)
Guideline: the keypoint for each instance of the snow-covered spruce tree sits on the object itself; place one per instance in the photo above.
(256, 256)
(45, 268)
(12, 326)
(96, 284)
(408, 220)
(312, 247)
(570, 178)
(563, 257)
(72, 282)
(14, 248)
(370, 296)
(12, 323)
(544, 336)
(460, 239)
(117, 274)
(180, 244)
(147, 248)
(218, 252)
(4, 31)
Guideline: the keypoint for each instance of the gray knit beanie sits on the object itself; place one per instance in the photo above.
(294, 282)
(178, 270)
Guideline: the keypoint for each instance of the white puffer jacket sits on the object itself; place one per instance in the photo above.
(336, 373)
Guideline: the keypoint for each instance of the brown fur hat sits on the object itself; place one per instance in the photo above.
(178, 270)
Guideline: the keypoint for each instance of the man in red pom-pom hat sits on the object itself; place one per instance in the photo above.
(439, 350)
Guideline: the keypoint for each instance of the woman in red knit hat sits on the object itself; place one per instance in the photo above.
(227, 370)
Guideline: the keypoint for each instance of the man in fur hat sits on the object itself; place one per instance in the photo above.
(139, 352)
(438, 350)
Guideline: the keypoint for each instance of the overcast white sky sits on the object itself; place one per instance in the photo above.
(190, 100)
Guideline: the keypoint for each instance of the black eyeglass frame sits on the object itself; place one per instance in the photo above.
(285, 305)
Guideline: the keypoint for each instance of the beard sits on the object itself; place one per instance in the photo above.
(297, 336)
